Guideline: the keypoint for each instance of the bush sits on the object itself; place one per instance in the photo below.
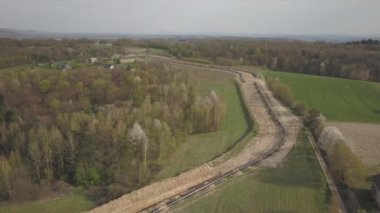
(87, 176)
(315, 122)
(345, 166)
(281, 91)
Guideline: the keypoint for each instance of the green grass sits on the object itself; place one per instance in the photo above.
(76, 202)
(201, 148)
(337, 99)
(297, 186)
(10, 70)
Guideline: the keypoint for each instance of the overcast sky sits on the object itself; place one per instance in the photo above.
(361, 17)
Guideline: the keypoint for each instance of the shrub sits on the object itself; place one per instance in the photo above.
(345, 166)
(281, 91)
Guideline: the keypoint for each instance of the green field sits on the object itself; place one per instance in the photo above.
(201, 148)
(76, 202)
(297, 186)
(337, 99)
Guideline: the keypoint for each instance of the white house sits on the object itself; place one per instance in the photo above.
(94, 60)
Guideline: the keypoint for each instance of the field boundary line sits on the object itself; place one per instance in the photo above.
(326, 173)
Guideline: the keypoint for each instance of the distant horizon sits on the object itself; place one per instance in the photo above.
(194, 17)
(189, 34)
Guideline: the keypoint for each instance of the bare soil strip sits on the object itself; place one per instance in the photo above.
(272, 132)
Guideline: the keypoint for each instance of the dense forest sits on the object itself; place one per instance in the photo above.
(20, 52)
(101, 129)
(356, 60)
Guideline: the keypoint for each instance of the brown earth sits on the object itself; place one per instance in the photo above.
(364, 139)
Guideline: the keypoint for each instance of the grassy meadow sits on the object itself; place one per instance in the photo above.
(76, 202)
(297, 186)
(338, 99)
(201, 148)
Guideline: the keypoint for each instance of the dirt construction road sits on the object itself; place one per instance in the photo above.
(278, 129)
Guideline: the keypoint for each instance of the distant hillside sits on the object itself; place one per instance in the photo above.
(332, 38)
(33, 34)
(20, 34)
(365, 42)
(342, 60)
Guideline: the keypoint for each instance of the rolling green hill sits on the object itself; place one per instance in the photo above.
(338, 99)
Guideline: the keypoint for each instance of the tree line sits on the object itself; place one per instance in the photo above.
(354, 60)
(360, 61)
(14, 52)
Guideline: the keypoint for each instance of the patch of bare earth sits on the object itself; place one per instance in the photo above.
(364, 138)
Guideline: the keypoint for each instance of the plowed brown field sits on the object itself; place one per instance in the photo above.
(365, 139)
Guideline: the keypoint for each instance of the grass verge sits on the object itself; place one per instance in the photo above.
(76, 202)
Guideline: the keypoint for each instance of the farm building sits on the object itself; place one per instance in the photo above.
(128, 60)
(376, 189)
(94, 60)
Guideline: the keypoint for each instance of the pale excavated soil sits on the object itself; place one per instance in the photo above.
(270, 134)
(364, 139)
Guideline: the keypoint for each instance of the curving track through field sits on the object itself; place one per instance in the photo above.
(278, 130)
